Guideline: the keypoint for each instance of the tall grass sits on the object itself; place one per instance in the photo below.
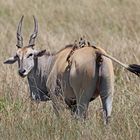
(112, 24)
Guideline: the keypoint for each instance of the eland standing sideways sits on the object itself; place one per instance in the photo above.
(88, 75)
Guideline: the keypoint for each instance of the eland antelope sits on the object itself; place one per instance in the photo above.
(90, 74)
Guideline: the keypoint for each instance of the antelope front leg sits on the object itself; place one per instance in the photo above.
(55, 103)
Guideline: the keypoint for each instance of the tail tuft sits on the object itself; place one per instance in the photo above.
(134, 68)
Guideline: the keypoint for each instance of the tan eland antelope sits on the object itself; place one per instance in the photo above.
(90, 73)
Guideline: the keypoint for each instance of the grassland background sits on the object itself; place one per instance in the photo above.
(112, 24)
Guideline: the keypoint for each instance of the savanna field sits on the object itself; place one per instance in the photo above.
(112, 24)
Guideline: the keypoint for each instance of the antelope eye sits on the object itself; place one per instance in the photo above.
(30, 55)
(16, 56)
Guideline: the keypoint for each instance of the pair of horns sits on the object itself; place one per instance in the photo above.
(32, 37)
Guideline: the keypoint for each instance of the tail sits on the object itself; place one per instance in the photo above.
(134, 68)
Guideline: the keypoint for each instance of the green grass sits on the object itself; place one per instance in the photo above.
(112, 24)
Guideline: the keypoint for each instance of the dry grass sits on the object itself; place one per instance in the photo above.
(113, 24)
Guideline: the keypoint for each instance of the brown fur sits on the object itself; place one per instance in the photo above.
(81, 84)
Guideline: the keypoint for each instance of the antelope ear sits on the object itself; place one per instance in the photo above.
(40, 53)
(10, 60)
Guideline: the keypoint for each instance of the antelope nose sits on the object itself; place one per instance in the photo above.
(22, 71)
